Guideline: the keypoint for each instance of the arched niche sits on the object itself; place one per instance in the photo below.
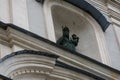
(91, 43)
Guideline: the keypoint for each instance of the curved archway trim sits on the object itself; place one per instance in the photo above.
(96, 14)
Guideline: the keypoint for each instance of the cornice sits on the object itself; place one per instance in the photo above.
(113, 6)
(116, 1)
(101, 5)
(114, 14)
(27, 61)
(4, 36)
(4, 78)
(3, 25)
(28, 71)
(29, 52)
(18, 34)
(19, 70)
(24, 38)
(66, 66)
(37, 69)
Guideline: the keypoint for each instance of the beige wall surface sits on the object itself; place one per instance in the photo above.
(36, 18)
(4, 11)
(39, 19)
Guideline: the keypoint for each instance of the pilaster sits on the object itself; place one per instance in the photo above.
(19, 15)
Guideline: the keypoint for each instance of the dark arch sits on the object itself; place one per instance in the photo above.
(96, 14)
(29, 52)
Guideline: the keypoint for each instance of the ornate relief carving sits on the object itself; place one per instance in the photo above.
(28, 71)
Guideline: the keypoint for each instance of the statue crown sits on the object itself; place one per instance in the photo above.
(65, 29)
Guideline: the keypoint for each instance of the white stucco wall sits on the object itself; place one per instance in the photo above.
(29, 15)
(36, 18)
(18, 13)
(113, 47)
(4, 50)
(4, 11)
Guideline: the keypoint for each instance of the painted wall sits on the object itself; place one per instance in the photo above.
(29, 14)
(18, 13)
(4, 11)
(113, 48)
(112, 33)
(36, 18)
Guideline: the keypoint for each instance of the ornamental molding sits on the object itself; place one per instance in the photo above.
(117, 1)
(113, 5)
(28, 71)
(28, 40)
(114, 14)
(22, 63)
(29, 52)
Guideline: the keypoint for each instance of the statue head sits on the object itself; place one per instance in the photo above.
(65, 29)
(74, 36)
(66, 32)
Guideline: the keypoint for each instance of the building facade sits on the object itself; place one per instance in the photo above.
(29, 30)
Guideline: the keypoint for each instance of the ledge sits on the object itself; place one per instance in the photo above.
(29, 52)
(104, 68)
(3, 25)
(57, 63)
(4, 78)
(58, 46)
(66, 66)
(116, 1)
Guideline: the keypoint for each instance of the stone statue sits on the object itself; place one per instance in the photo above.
(66, 41)
(75, 40)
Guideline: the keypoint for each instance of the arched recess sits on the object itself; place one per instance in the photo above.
(60, 13)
